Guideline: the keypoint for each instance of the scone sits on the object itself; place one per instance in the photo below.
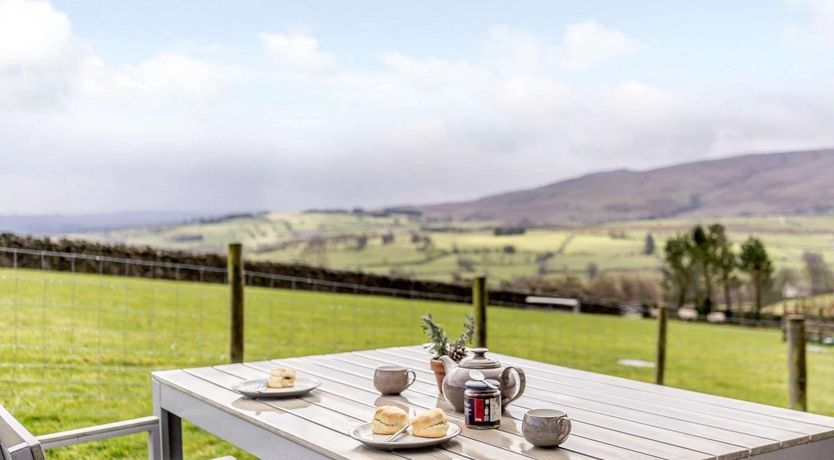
(281, 377)
(388, 420)
(431, 424)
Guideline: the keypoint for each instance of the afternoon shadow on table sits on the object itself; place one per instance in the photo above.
(274, 405)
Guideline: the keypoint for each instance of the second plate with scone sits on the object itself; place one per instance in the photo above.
(281, 383)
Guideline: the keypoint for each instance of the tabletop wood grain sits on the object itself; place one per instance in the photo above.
(612, 417)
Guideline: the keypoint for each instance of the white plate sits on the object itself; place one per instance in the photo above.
(363, 434)
(258, 389)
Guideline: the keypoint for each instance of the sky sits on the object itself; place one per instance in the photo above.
(223, 106)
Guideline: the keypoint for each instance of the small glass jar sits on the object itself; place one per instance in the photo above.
(482, 405)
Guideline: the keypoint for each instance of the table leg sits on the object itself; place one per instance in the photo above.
(170, 429)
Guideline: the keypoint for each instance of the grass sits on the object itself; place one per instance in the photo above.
(77, 350)
(531, 241)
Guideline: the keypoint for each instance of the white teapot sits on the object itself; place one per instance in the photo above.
(454, 384)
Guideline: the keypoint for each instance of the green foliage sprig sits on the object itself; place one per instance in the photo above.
(438, 339)
(467, 334)
(439, 344)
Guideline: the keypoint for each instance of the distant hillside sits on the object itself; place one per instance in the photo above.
(778, 183)
(64, 224)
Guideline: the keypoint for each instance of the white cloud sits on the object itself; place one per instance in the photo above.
(817, 30)
(588, 43)
(33, 35)
(514, 51)
(584, 45)
(298, 51)
(39, 55)
(413, 128)
(165, 76)
(43, 64)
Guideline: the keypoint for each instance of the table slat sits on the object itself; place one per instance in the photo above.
(307, 409)
(813, 430)
(714, 400)
(280, 422)
(574, 443)
(600, 419)
(507, 437)
(580, 430)
(346, 402)
(612, 417)
(773, 437)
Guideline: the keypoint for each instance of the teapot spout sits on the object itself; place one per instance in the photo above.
(449, 364)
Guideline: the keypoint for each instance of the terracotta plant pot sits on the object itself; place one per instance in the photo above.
(439, 373)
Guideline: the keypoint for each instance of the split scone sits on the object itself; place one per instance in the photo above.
(431, 424)
(281, 377)
(388, 420)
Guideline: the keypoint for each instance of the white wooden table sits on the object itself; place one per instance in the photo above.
(612, 417)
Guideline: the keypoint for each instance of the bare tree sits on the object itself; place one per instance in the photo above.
(725, 262)
(819, 274)
(592, 270)
(679, 266)
(755, 261)
(648, 247)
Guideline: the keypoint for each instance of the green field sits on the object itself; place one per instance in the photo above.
(463, 248)
(77, 349)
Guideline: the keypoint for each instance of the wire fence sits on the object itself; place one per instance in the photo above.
(77, 345)
(740, 358)
(80, 334)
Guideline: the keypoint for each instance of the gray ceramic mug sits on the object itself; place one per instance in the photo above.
(545, 427)
(393, 380)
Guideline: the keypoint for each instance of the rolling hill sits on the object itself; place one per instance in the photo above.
(793, 183)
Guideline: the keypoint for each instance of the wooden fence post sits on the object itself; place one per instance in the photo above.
(797, 371)
(820, 325)
(479, 301)
(660, 365)
(235, 271)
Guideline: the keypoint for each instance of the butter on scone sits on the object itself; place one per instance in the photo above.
(431, 424)
(281, 377)
(388, 420)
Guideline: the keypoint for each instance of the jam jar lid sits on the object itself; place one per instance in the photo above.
(479, 361)
(479, 385)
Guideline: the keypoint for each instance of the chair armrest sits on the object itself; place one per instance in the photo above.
(149, 424)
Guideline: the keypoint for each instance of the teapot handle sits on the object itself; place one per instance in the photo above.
(522, 382)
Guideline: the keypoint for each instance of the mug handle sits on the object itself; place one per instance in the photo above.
(522, 382)
(564, 429)
(413, 378)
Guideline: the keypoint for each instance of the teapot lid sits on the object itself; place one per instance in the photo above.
(479, 361)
